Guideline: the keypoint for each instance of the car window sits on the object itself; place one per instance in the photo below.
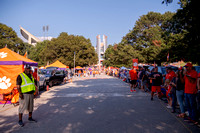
(42, 72)
(48, 72)
(58, 72)
(197, 68)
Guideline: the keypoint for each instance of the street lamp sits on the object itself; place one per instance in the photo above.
(74, 63)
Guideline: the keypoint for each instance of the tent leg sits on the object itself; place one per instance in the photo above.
(5, 103)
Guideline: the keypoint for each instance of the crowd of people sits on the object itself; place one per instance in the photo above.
(179, 88)
(81, 73)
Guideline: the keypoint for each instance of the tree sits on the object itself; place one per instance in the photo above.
(63, 48)
(120, 55)
(148, 35)
(35, 53)
(186, 23)
(9, 37)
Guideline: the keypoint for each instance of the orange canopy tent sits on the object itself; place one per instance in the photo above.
(42, 67)
(11, 65)
(78, 67)
(58, 64)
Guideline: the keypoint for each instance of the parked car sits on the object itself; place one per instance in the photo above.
(42, 79)
(197, 68)
(162, 69)
(54, 76)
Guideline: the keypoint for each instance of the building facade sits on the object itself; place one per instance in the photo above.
(101, 46)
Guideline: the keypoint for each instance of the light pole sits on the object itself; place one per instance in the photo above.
(44, 32)
(74, 63)
(47, 28)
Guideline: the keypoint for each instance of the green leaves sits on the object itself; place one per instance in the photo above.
(120, 55)
(63, 48)
(9, 37)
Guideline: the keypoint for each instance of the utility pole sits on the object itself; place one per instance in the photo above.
(44, 32)
(47, 28)
(74, 63)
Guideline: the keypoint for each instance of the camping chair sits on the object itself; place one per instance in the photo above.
(12, 96)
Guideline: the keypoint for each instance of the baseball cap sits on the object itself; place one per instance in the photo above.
(188, 65)
(27, 66)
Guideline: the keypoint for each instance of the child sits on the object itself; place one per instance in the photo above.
(168, 93)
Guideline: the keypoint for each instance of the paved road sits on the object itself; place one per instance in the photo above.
(97, 105)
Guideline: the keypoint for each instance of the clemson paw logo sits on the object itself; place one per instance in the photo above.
(3, 55)
(5, 83)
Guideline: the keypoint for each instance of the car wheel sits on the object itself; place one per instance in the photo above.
(50, 84)
(45, 85)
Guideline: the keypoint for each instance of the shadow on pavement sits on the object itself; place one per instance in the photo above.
(96, 106)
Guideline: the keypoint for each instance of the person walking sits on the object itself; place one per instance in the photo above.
(26, 88)
(133, 79)
(157, 80)
(190, 80)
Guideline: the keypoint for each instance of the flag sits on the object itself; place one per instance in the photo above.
(135, 63)
(168, 57)
(25, 55)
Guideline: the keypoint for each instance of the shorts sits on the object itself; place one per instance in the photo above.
(26, 103)
(156, 88)
(133, 82)
(170, 95)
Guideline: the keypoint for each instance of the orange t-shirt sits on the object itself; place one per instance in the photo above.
(190, 88)
(170, 75)
(133, 74)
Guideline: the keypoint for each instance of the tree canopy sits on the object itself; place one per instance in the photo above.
(9, 38)
(146, 41)
(63, 48)
(156, 35)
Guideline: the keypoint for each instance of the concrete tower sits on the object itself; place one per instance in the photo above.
(28, 36)
(101, 47)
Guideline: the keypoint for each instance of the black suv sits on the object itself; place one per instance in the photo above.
(54, 76)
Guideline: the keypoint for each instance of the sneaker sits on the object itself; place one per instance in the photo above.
(21, 124)
(32, 120)
(134, 90)
(169, 107)
(131, 90)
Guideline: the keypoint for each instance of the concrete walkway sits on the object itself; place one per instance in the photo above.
(95, 105)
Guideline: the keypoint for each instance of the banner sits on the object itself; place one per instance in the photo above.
(135, 63)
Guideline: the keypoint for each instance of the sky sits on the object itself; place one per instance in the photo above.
(88, 18)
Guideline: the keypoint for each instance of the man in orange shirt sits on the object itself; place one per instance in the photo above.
(133, 77)
(190, 80)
